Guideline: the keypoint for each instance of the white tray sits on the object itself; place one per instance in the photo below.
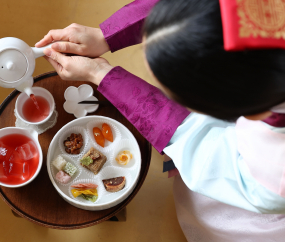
(107, 200)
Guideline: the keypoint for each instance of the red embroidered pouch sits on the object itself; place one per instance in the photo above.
(253, 24)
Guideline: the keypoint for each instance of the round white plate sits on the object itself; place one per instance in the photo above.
(107, 199)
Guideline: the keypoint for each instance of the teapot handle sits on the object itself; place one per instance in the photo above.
(38, 52)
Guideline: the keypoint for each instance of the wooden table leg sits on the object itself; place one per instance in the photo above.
(120, 216)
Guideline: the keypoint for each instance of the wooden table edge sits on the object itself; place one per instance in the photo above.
(69, 227)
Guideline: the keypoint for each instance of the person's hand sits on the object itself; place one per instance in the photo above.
(79, 40)
(78, 67)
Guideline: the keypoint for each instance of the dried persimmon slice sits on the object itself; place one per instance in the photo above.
(107, 132)
(98, 136)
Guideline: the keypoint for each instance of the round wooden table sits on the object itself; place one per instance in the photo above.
(38, 201)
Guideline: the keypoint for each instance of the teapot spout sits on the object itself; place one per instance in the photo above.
(26, 87)
(28, 91)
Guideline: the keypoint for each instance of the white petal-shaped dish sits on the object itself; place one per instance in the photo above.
(74, 95)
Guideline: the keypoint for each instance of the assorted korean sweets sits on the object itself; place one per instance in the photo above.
(87, 191)
(66, 170)
(93, 160)
(124, 157)
(101, 135)
(114, 184)
(73, 144)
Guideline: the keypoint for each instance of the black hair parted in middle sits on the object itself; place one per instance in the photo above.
(184, 49)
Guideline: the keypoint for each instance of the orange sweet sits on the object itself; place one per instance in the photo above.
(107, 132)
(98, 136)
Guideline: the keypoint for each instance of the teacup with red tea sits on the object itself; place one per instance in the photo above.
(37, 108)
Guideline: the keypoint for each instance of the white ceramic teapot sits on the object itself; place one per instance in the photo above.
(17, 64)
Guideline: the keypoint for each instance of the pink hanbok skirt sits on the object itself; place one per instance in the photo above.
(203, 219)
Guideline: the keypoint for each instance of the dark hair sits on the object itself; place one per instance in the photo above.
(184, 49)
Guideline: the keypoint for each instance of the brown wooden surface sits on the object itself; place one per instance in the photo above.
(38, 201)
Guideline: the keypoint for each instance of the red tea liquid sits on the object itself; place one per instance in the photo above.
(36, 109)
(32, 96)
(19, 159)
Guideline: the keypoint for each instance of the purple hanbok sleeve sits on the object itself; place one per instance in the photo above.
(124, 28)
(276, 120)
(145, 106)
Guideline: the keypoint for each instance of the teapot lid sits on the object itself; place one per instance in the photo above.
(13, 65)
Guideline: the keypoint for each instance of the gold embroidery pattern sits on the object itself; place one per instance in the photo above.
(261, 18)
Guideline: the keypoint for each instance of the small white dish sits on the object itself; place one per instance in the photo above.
(37, 91)
(74, 95)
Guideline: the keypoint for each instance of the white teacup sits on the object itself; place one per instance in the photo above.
(37, 91)
(32, 134)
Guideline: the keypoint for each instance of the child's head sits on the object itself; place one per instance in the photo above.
(184, 50)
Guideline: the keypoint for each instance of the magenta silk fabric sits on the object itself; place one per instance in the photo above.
(124, 28)
(276, 120)
(145, 106)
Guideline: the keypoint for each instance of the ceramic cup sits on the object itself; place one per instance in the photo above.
(32, 134)
(37, 91)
